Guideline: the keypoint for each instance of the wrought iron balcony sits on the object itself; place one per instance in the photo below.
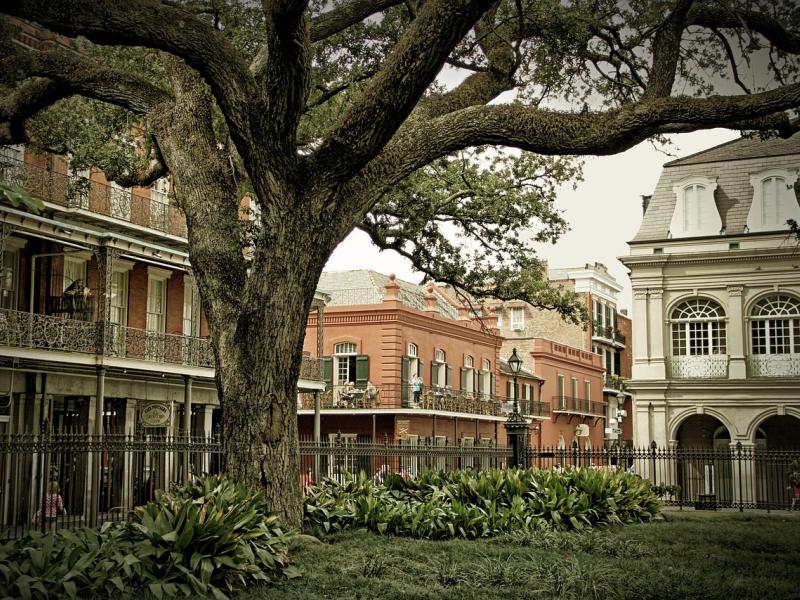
(43, 332)
(773, 365)
(311, 369)
(614, 382)
(72, 191)
(607, 333)
(578, 406)
(394, 396)
(713, 366)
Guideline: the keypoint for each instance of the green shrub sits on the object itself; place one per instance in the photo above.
(480, 504)
(209, 538)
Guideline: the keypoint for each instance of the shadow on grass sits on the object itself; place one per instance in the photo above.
(690, 555)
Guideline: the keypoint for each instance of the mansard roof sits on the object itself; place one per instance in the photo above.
(731, 164)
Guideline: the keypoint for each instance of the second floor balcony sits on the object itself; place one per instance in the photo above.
(709, 366)
(65, 335)
(84, 195)
(773, 365)
(430, 398)
(608, 333)
(578, 406)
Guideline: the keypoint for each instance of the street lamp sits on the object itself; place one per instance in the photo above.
(517, 426)
(515, 364)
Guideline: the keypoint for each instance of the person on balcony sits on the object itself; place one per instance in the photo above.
(372, 394)
(416, 388)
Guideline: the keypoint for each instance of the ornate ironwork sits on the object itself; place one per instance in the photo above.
(151, 346)
(26, 330)
(774, 365)
(698, 367)
(75, 192)
(311, 368)
(578, 406)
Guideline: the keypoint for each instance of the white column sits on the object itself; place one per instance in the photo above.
(641, 357)
(737, 368)
(655, 318)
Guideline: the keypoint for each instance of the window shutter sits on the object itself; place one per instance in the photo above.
(509, 391)
(362, 370)
(405, 366)
(327, 370)
(491, 384)
(434, 373)
(448, 375)
(420, 369)
(464, 376)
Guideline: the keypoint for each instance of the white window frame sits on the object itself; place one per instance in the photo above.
(191, 307)
(787, 206)
(771, 323)
(701, 335)
(516, 319)
(440, 357)
(705, 219)
(155, 344)
(343, 353)
(120, 284)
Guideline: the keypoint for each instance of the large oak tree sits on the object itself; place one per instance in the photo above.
(337, 116)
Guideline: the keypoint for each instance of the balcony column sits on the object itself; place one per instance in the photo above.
(735, 330)
(96, 454)
(5, 231)
(105, 257)
(320, 332)
(187, 425)
(655, 318)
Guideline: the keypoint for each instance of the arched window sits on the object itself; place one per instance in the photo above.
(345, 348)
(412, 350)
(775, 325)
(698, 328)
(468, 362)
(439, 356)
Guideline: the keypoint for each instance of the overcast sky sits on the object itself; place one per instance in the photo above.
(604, 212)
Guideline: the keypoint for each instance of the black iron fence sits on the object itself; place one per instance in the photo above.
(55, 481)
(75, 480)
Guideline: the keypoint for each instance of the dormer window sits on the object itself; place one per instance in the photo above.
(696, 212)
(774, 200)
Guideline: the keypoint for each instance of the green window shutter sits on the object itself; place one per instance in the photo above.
(476, 381)
(464, 376)
(434, 373)
(491, 384)
(509, 390)
(327, 370)
(362, 371)
(420, 369)
(405, 366)
(448, 375)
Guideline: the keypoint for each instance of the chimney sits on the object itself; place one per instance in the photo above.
(391, 289)
(430, 301)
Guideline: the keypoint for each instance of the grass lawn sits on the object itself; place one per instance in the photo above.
(701, 555)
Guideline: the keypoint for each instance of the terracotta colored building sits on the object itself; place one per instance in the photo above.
(382, 333)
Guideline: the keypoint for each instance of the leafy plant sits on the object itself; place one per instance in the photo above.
(205, 539)
(480, 504)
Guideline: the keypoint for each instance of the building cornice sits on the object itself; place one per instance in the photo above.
(716, 257)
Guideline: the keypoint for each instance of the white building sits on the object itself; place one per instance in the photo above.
(716, 310)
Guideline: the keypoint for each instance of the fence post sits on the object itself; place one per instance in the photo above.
(653, 447)
(575, 453)
(739, 466)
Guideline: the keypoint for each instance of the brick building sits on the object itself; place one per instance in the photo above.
(101, 328)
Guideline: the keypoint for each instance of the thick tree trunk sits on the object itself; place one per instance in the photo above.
(257, 320)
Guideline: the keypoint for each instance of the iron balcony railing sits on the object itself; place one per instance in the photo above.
(773, 365)
(75, 192)
(311, 368)
(699, 367)
(614, 382)
(607, 333)
(578, 406)
(42, 332)
(394, 396)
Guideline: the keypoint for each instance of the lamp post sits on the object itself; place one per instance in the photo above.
(516, 425)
